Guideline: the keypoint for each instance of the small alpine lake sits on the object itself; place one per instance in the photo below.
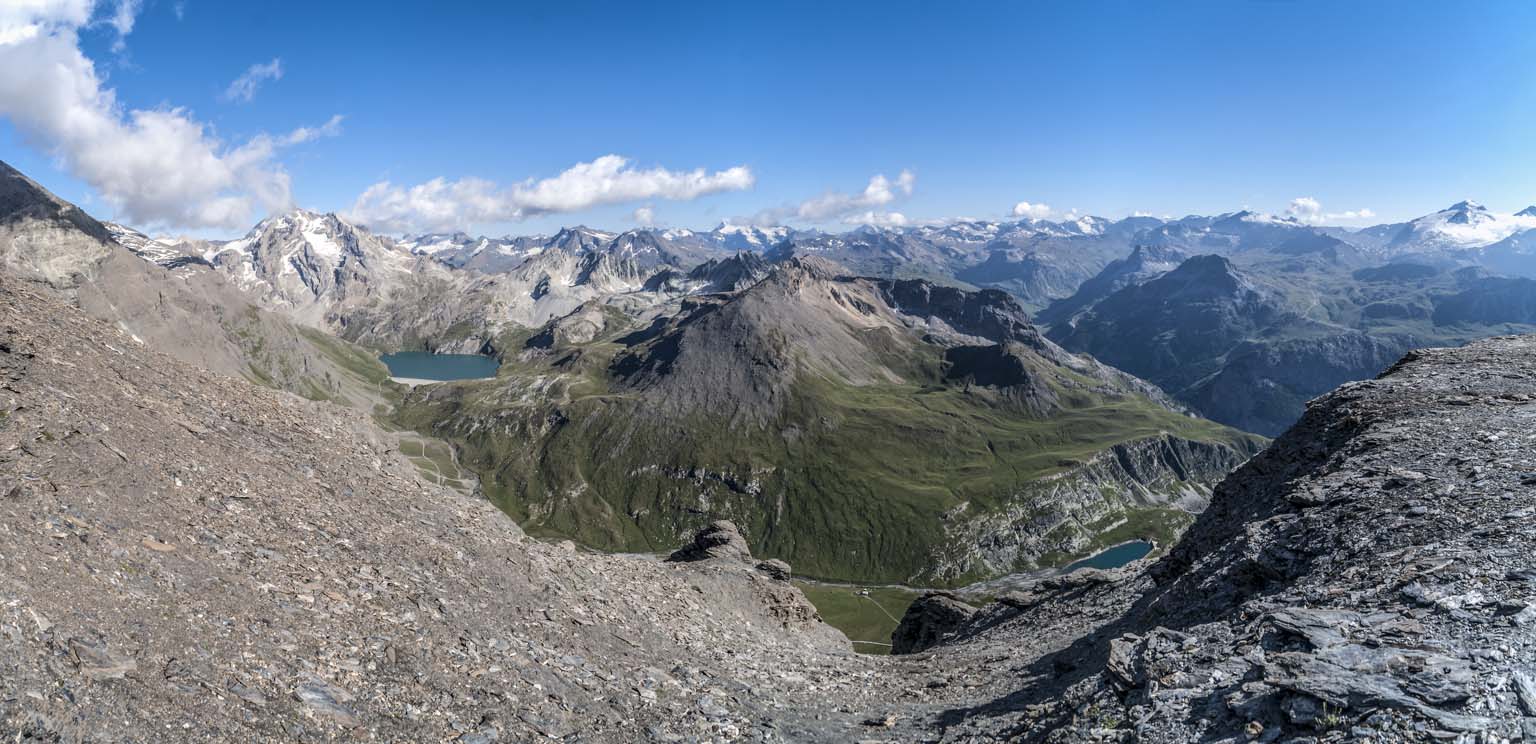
(415, 367)
(1113, 557)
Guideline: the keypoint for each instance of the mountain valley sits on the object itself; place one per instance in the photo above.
(191, 548)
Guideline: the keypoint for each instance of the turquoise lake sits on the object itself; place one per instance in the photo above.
(1114, 557)
(419, 365)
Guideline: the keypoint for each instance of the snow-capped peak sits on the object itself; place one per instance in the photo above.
(1465, 225)
(746, 237)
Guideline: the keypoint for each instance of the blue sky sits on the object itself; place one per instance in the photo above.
(1105, 107)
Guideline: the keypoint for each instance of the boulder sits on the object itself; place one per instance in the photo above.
(720, 539)
(928, 622)
(776, 568)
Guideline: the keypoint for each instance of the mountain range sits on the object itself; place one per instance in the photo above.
(656, 377)
(1326, 304)
(192, 550)
(861, 428)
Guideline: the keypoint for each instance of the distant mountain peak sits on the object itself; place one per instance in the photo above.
(1466, 206)
(1527, 212)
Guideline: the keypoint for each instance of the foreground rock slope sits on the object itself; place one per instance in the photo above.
(187, 554)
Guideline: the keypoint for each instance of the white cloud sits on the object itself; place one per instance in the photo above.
(877, 219)
(243, 89)
(121, 20)
(330, 128)
(1032, 211)
(154, 167)
(645, 216)
(21, 20)
(880, 192)
(1309, 210)
(850, 209)
(440, 204)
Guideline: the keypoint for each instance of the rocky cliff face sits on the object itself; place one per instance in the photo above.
(1365, 578)
(1133, 484)
(1248, 340)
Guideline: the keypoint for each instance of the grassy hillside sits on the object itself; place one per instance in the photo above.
(850, 482)
(867, 616)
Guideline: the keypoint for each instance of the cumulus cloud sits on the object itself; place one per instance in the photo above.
(1032, 211)
(877, 219)
(850, 209)
(23, 21)
(243, 89)
(440, 204)
(154, 167)
(880, 192)
(1309, 210)
(645, 216)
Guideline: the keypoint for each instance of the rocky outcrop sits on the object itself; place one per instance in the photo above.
(720, 539)
(1365, 578)
(1055, 516)
(928, 622)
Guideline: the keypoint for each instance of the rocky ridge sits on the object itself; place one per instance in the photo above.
(184, 308)
(1367, 578)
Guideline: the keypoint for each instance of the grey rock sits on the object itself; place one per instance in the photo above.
(928, 621)
(720, 540)
(97, 661)
(327, 701)
(776, 568)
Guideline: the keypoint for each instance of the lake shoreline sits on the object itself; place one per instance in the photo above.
(414, 368)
